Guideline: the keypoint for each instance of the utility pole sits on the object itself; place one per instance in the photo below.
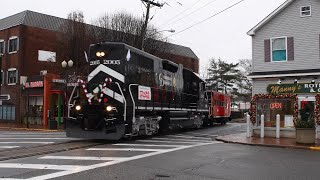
(148, 4)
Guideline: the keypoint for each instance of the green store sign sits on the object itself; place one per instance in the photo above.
(301, 88)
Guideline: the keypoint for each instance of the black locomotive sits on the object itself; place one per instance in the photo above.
(130, 92)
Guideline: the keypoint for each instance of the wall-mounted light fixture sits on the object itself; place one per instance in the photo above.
(279, 81)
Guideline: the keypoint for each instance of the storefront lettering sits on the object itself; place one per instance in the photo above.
(279, 90)
(34, 84)
(293, 88)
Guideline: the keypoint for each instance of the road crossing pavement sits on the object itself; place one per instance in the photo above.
(12, 139)
(70, 162)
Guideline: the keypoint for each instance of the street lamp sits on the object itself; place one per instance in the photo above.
(64, 63)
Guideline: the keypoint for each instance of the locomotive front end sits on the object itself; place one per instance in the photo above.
(97, 104)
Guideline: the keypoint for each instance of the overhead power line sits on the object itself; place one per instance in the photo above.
(205, 19)
(180, 13)
(192, 12)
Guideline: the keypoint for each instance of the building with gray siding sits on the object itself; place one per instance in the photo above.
(299, 36)
(286, 55)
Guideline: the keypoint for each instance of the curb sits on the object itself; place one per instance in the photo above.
(313, 148)
(30, 129)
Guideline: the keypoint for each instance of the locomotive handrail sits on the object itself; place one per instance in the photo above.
(69, 102)
(125, 102)
(133, 103)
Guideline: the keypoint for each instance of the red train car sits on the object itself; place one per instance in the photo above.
(219, 107)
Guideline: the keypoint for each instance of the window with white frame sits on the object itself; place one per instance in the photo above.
(13, 44)
(279, 49)
(12, 76)
(2, 45)
(1, 77)
(305, 11)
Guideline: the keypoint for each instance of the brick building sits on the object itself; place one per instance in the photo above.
(31, 65)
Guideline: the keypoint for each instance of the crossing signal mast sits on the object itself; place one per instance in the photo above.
(148, 4)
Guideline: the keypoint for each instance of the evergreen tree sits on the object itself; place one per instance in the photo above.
(222, 75)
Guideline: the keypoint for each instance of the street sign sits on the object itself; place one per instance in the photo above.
(4, 97)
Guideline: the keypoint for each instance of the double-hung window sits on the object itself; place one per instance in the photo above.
(13, 44)
(279, 49)
(2, 45)
(12, 76)
(305, 11)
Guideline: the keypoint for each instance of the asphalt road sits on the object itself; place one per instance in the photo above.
(183, 155)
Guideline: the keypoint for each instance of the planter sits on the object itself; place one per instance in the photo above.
(306, 135)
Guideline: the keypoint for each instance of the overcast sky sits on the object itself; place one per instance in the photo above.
(222, 36)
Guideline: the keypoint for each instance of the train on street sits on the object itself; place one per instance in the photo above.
(129, 92)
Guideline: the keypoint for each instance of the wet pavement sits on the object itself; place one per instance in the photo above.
(240, 138)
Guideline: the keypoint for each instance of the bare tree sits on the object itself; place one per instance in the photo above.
(75, 39)
(124, 27)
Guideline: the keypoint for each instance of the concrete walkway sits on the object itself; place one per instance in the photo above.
(270, 142)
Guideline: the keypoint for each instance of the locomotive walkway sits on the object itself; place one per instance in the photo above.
(269, 142)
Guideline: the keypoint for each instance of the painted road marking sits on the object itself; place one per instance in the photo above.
(122, 149)
(109, 163)
(157, 141)
(201, 134)
(186, 140)
(84, 158)
(147, 145)
(39, 138)
(316, 148)
(189, 137)
(24, 142)
(8, 147)
(39, 166)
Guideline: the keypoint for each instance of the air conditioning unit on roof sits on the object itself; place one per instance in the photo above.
(43, 72)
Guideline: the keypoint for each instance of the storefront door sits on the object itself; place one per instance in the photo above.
(56, 107)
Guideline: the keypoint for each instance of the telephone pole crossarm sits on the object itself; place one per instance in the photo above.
(153, 3)
(145, 25)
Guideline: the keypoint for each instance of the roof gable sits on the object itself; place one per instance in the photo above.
(269, 17)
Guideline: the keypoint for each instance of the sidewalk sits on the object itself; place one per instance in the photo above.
(23, 127)
(269, 142)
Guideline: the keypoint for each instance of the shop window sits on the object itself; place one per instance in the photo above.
(305, 11)
(2, 45)
(271, 107)
(12, 76)
(7, 112)
(13, 44)
(35, 109)
(279, 49)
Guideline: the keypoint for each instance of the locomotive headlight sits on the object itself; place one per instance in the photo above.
(78, 107)
(100, 54)
(109, 108)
